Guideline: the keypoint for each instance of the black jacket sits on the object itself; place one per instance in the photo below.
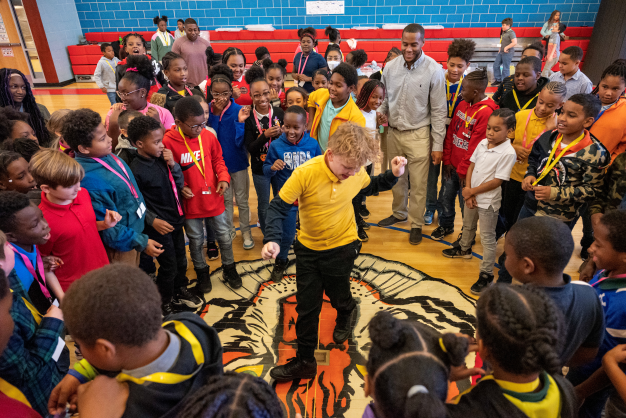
(256, 142)
(153, 180)
(508, 100)
(156, 400)
(172, 96)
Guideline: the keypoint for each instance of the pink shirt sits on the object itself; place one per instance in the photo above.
(164, 115)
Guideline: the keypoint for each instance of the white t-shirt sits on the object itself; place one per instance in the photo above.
(492, 163)
(370, 122)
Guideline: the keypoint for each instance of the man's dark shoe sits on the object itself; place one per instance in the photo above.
(295, 369)
(343, 326)
(278, 271)
(211, 251)
(204, 280)
(483, 282)
(362, 234)
(416, 236)
(584, 253)
(230, 275)
(362, 224)
(440, 232)
(364, 212)
(457, 252)
(390, 221)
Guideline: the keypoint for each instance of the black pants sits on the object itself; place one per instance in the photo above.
(359, 199)
(172, 273)
(512, 201)
(318, 272)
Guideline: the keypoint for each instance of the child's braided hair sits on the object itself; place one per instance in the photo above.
(232, 395)
(617, 68)
(367, 90)
(35, 119)
(522, 328)
(230, 51)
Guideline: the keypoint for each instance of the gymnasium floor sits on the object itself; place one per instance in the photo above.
(256, 323)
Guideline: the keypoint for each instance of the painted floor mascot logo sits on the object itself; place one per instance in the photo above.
(256, 325)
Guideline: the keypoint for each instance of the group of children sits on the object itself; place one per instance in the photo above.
(126, 191)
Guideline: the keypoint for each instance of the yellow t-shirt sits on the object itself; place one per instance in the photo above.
(182, 92)
(534, 129)
(325, 204)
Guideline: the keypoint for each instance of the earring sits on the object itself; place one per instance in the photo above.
(10, 181)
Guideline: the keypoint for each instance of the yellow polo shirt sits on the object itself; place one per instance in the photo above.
(325, 204)
(534, 129)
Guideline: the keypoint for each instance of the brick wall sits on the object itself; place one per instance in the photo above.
(115, 15)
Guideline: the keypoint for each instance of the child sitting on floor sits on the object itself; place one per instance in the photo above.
(490, 166)
(162, 362)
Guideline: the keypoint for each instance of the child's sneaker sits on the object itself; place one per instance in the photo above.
(211, 251)
(278, 271)
(364, 212)
(184, 297)
(362, 234)
(203, 284)
(362, 224)
(428, 217)
(248, 242)
(441, 232)
(457, 252)
(231, 276)
(484, 281)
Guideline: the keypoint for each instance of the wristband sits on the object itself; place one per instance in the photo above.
(82, 379)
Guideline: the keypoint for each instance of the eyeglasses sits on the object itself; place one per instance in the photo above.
(224, 95)
(194, 127)
(125, 95)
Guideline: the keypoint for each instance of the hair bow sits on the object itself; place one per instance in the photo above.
(133, 69)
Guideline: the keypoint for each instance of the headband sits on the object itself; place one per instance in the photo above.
(309, 34)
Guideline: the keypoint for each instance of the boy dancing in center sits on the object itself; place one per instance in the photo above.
(324, 187)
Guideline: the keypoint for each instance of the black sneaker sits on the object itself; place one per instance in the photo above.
(362, 234)
(457, 252)
(184, 297)
(440, 232)
(278, 271)
(484, 280)
(362, 224)
(231, 276)
(415, 237)
(390, 221)
(584, 253)
(343, 327)
(496, 83)
(211, 251)
(364, 212)
(204, 280)
(167, 309)
(295, 369)
(457, 243)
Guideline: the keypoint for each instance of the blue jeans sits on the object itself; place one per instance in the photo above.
(112, 97)
(450, 189)
(289, 233)
(195, 233)
(262, 187)
(431, 187)
(502, 59)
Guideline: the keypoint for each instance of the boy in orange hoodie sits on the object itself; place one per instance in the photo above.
(467, 128)
(199, 154)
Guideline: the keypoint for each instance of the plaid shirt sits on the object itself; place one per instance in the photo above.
(27, 361)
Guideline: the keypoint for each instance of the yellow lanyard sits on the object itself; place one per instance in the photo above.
(193, 156)
(167, 378)
(36, 315)
(110, 66)
(163, 38)
(13, 392)
(549, 166)
(527, 103)
(456, 95)
(467, 122)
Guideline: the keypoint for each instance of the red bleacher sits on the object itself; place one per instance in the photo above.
(85, 57)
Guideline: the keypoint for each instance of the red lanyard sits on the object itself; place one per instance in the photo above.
(180, 209)
(300, 68)
(186, 88)
(258, 124)
(31, 270)
(126, 180)
(223, 111)
(526, 130)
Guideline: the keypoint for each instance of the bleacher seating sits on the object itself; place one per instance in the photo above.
(283, 43)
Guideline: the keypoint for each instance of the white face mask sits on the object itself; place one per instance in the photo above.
(332, 65)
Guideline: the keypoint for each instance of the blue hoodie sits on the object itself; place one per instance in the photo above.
(108, 191)
(230, 134)
(294, 155)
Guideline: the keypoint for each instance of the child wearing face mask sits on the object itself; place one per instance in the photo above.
(333, 56)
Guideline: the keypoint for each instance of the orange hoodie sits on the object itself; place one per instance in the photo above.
(610, 129)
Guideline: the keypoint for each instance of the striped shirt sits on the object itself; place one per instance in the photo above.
(578, 83)
(416, 97)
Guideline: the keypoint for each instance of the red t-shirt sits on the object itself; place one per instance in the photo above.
(244, 99)
(12, 408)
(73, 237)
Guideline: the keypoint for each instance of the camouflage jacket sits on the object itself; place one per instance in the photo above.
(610, 196)
(574, 180)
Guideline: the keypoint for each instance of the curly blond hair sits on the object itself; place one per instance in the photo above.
(158, 99)
(357, 143)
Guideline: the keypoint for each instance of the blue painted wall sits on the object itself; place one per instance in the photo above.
(116, 15)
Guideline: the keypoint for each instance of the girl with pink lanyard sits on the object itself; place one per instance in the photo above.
(176, 70)
(308, 61)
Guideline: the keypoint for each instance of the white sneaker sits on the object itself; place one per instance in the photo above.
(248, 242)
